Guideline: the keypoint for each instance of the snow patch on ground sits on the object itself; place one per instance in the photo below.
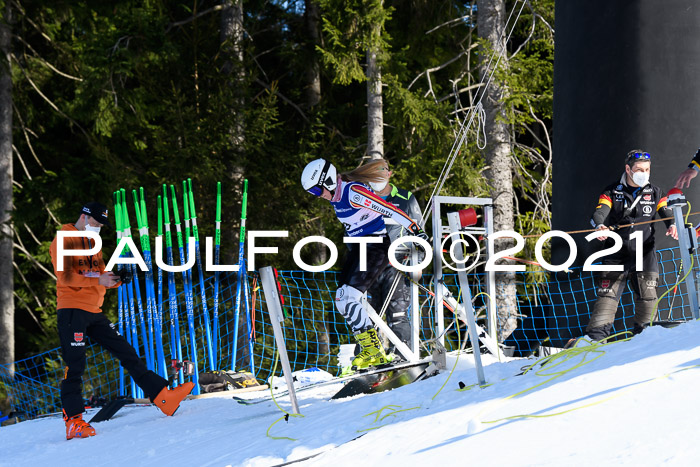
(624, 403)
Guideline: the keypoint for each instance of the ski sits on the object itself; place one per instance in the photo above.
(108, 410)
(186, 279)
(113, 406)
(205, 310)
(220, 394)
(318, 453)
(217, 253)
(342, 379)
(387, 380)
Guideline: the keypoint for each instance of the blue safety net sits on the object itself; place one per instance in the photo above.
(552, 308)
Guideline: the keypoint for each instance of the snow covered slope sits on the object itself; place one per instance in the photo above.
(629, 402)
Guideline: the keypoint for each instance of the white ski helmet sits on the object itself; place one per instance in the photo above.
(317, 175)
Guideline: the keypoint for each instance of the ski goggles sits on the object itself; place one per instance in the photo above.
(638, 156)
(316, 190)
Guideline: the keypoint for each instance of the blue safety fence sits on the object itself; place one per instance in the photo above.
(552, 308)
(558, 309)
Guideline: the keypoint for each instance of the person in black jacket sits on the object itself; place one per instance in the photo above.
(630, 201)
(398, 307)
(690, 173)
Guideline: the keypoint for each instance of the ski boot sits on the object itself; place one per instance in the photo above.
(371, 353)
(76, 427)
(578, 342)
(168, 400)
(638, 328)
(394, 355)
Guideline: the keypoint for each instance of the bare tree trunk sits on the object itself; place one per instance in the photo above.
(7, 307)
(231, 39)
(324, 340)
(320, 252)
(491, 24)
(312, 25)
(375, 106)
(312, 21)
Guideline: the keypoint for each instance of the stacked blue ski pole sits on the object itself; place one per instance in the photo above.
(170, 350)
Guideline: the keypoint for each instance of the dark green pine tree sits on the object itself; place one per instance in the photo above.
(128, 93)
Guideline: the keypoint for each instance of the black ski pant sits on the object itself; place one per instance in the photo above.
(397, 309)
(377, 261)
(354, 281)
(611, 284)
(74, 326)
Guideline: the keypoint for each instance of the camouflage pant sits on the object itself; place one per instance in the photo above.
(611, 284)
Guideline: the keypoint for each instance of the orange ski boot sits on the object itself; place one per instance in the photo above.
(76, 427)
(168, 400)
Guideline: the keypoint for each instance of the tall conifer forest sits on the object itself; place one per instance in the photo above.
(112, 94)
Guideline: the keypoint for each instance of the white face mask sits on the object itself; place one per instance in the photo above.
(379, 186)
(91, 228)
(640, 178)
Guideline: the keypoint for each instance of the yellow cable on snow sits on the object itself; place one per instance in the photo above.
(286, 414)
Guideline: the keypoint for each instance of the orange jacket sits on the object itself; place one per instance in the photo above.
(78, 284)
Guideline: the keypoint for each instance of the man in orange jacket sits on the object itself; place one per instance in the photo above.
(80, 291)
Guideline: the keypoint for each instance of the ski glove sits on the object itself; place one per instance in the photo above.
(124, 276)
(418, 232)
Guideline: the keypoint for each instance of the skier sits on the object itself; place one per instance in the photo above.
(80, 290)
(631, 200)
(400, 301)
(360, 211)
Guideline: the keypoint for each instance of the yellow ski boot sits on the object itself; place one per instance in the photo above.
(371, 351)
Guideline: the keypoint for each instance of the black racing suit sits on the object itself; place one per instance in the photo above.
(621, 204)
(362, 213)
(397, 309)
